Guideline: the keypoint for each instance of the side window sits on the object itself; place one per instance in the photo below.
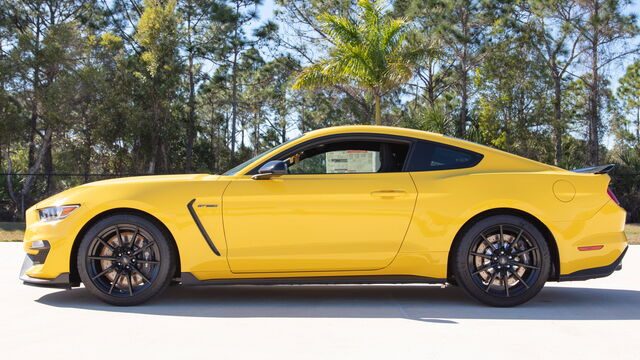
(337, 162)
(431, 156)
(346, 157)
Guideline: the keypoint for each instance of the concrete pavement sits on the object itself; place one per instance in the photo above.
(593, 319)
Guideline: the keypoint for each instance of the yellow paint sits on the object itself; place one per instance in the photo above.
(564, 190)
(344, 224)
(317, 222)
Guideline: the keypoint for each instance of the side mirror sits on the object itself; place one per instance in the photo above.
(272, 168)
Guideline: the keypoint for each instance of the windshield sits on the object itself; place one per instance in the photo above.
(244, 164)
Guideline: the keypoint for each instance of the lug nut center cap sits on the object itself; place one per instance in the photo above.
(125, 260)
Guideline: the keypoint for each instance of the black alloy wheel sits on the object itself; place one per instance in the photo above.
(502, 261)
(125, 260)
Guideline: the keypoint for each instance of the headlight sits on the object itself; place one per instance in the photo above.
(56, 212)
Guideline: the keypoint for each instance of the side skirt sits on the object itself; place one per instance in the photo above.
(189, 280)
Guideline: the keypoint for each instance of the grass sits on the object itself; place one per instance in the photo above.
(633, 233)
(14, 231)
(11, 231)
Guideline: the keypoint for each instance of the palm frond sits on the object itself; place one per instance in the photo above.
(340, 29)
(315, 76)
(371, 14)
(371, 52)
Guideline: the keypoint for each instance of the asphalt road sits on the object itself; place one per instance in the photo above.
(592, 319)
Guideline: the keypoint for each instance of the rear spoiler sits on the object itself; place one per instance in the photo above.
(602, 169)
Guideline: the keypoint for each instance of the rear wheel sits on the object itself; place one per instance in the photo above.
(125, 260)
(502, 261)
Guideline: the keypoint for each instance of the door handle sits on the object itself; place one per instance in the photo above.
(388, 193)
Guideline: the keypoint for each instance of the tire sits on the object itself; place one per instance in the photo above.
(502, 261)
(125, 260)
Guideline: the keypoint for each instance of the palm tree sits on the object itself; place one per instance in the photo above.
(369, 52)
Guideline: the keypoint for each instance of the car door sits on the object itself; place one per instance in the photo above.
(345, 205)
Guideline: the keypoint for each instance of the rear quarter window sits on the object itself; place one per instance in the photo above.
(427, 156)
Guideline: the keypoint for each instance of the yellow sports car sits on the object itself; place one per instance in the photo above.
(352, 204)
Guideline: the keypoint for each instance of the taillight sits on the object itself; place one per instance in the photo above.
(613, 196)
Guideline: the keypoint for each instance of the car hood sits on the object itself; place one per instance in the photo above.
(151, 179)
(74, 195)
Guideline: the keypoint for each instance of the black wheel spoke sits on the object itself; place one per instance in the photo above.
(101, 240)
(486, 241)
(115, 281)
(133, 239)
(134, 268)
(103, 272)
(485, 268)
(493, 277)
(519, 264)
(515, 273)
(505, 281)
(130, 285)
(515, 242)
(101, 258)
(120, 242)
(524, 251)
(481, 255)
(501, 238)
(148, 261)
(143, 248)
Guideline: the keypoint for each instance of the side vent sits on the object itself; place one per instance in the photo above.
(203, 231)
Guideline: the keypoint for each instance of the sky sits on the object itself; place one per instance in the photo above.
(266, 12)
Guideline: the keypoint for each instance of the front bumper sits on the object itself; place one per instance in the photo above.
(60, 281)
(597, 272)
(48, 246)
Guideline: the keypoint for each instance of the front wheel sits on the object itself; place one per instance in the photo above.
(125, 260)
(502, 261)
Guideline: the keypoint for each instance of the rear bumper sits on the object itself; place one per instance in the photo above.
(60, 281)
(597, 272)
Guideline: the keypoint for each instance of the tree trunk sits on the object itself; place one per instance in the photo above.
(215, 136)
(33, 119)
(30, 178)
(191, 125)
(154, 139)
(378, 115)
(460, 131)
(558, 130)
(48, 169)
(234, 107)
(430, 88)
(594, 93)
(86, 163)
(234, 88)
(638, 124)
(256, 134)
(464, 72)
(10, 190)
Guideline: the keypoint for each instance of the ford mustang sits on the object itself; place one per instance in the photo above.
(352, 204)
